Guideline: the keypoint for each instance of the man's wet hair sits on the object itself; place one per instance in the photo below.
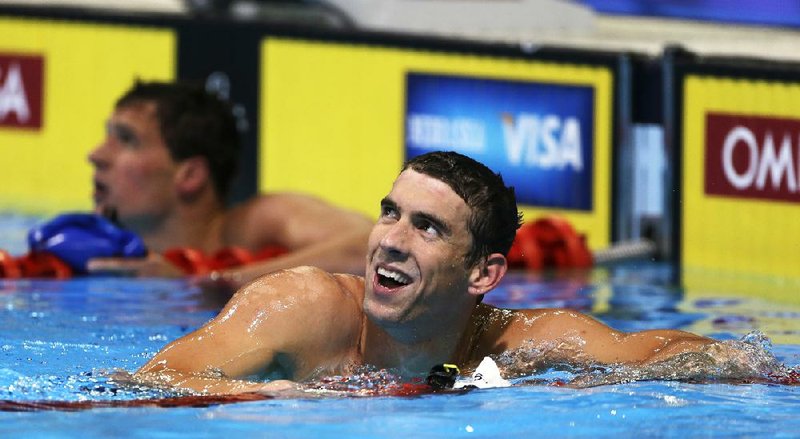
(494, 218)
(193, 123)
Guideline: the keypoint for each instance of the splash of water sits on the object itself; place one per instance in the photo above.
(90, 385)
(368, 380)
(748, 360)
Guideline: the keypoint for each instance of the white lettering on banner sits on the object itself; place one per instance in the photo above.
(770, 164)
(12, 95)
(545, 142)
(437, 132)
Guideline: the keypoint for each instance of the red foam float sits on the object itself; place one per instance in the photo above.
(549, 242)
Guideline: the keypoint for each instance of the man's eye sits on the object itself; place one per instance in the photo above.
(429, 229)
(127, 138)
(388, 212)
(124, 135)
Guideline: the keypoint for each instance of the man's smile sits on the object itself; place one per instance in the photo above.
(391, 278)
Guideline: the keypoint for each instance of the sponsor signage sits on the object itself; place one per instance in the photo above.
(21, 91)
(740, 183)
(537, 135)
(752, 157)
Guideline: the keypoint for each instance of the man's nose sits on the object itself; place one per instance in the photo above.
(99, 156)
(395, 240)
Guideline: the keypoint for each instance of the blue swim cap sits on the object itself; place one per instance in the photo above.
(77, 237)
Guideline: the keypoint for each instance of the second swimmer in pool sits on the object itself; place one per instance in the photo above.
(163, 172)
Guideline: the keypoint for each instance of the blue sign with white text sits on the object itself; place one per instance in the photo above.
(539, 136)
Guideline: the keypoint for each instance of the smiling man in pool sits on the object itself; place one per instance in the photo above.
(437, 247)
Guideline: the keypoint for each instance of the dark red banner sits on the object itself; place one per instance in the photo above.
(21, 91)
(752, 157)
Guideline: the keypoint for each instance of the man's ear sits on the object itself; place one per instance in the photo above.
(487, 274)
(192, 175)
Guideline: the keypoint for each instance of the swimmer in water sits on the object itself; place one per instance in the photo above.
(438, 246)
(164, 169)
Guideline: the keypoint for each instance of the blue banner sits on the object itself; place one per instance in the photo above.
(764, 12)
(539, 136)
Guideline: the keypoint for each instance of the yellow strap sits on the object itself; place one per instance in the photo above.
(450, 367)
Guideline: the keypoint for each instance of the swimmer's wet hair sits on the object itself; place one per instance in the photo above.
(495, 219)
(193, 123)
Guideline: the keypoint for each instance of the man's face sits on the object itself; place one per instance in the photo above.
(415, 259)
(133, 169)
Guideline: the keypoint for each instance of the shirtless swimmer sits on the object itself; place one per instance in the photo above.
(437, 247)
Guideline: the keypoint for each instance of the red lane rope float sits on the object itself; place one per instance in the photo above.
(231, 257)
(37, 265)
(193, 262)
(188, 260)
(408, 389)
(200, 401)
(178, 401)
(40, 264)
(549, 242)
(9, 267)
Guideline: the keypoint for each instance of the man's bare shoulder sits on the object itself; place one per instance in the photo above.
(287, 219)
(309, 293)
(504, 329)
(304, 318)
(276, 205)
(264, 207)
(305, 281)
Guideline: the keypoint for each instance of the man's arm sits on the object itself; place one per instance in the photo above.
(565, 336)
(297, 321)
(315, 233)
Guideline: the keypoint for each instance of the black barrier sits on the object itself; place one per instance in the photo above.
(225, 57)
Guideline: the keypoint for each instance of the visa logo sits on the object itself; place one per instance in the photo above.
(430, 131)
(547, 142)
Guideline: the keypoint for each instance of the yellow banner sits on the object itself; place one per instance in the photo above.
(332, 119)
(740, 210)
(85, 68)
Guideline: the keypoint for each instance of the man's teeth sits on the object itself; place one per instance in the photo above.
(395, 276)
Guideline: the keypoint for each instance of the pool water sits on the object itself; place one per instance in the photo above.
(60, 339)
